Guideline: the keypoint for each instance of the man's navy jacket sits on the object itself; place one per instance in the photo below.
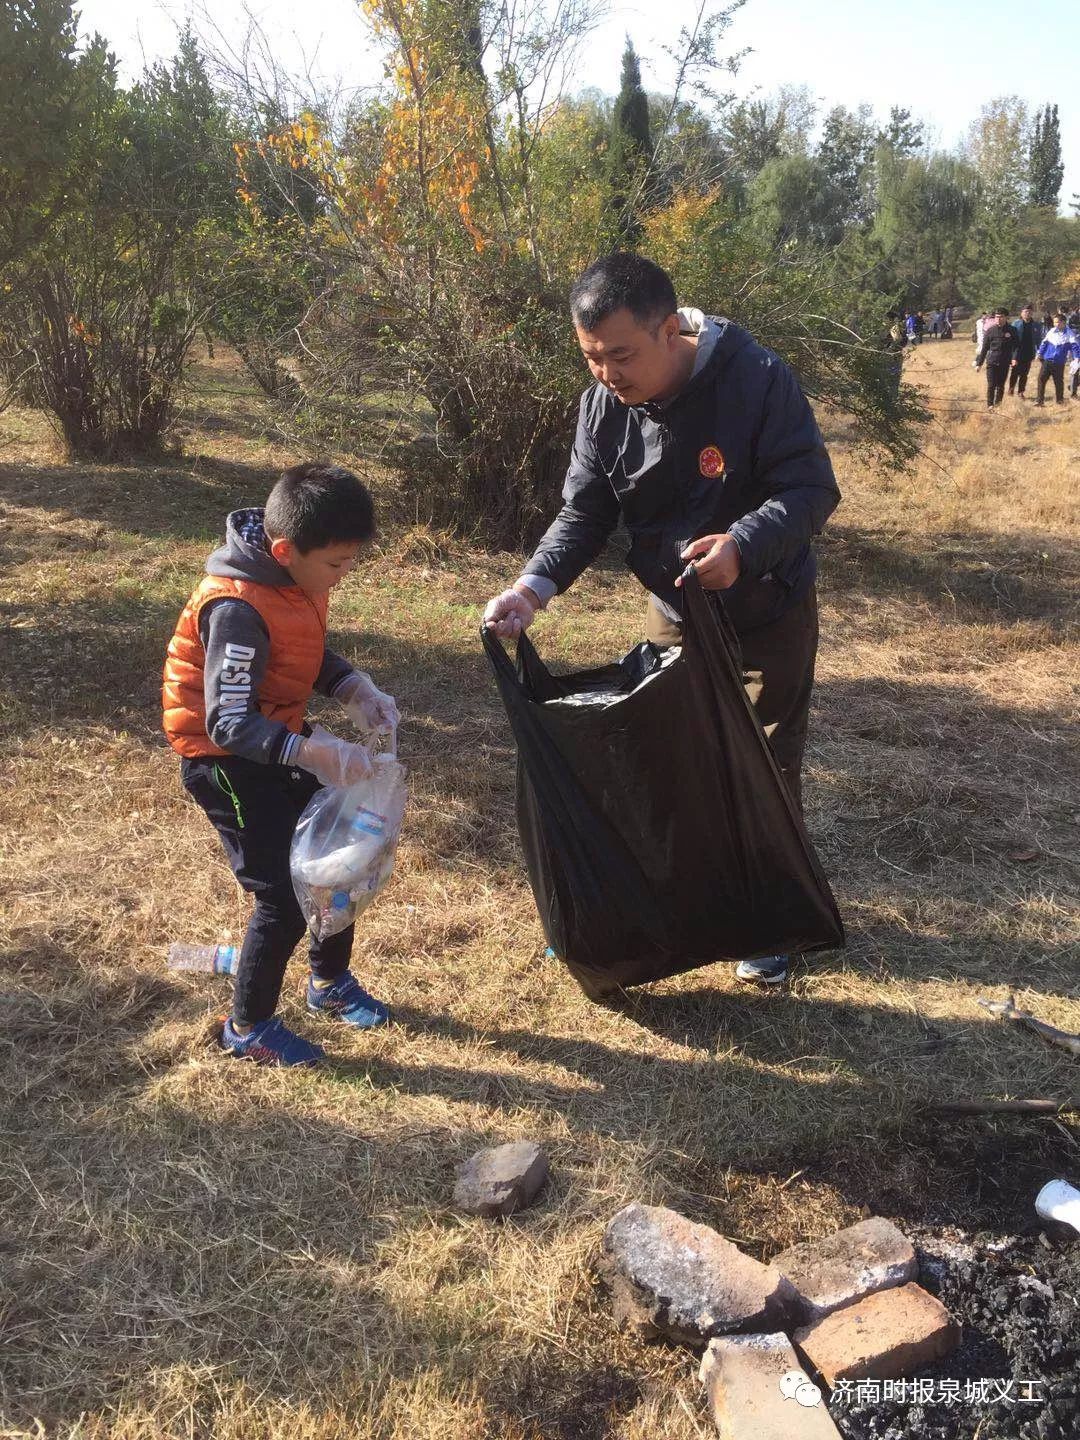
(736, 450)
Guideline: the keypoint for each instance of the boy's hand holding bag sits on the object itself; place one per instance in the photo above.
(343, 849)
(368, 707)
(332, 761)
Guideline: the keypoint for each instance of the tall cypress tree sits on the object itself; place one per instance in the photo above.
(630, 147)
(1045, 168)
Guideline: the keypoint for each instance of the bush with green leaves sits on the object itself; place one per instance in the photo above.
(107, 284)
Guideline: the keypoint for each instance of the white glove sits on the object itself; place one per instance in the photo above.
(333, 761)
(368, 707)
(509, 614)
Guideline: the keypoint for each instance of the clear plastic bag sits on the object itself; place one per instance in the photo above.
(343, 848)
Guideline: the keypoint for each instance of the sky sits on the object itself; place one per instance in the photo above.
(941, 61)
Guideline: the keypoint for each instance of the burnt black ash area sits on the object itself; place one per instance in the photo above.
(1016, 1373)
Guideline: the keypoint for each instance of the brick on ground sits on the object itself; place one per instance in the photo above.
(742, 1376)
(843, 1268)
(890, 1334)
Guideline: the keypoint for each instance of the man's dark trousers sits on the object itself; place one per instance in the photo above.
(778, 672)
(996, 375)
(1055, 370)
(1018, 376)
(254, 808)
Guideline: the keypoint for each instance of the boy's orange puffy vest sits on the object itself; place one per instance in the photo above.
(296, 622)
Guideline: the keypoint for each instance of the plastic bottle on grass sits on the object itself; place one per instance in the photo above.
(208, 959)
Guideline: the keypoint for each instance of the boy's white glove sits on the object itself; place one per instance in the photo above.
(333, 761)
(368, 707)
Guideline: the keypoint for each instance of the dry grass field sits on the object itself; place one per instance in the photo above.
(193, 1248)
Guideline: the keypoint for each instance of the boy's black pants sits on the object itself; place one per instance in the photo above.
(254, 808)
(1052, 370)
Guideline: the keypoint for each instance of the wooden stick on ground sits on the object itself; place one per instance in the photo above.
(1012, 1107)
(1008, 1011)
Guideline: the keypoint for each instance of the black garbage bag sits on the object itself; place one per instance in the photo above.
(658, 833)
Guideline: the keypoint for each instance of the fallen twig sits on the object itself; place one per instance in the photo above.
(1013, 1107)
(1007, 1011)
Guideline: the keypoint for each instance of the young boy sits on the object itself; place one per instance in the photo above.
(249, 650)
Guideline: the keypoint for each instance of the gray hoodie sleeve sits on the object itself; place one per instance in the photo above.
(237, 649)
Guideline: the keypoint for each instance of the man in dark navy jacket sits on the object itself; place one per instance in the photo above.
(702, 443)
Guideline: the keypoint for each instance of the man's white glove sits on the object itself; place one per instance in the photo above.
(510, 613)
(333, 761)
(368, 707)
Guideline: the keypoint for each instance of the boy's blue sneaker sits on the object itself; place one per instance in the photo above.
(344, 999)
(270, 1043)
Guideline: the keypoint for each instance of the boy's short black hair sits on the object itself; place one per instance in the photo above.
(622, 281)
(318, 504)
(1002, 310)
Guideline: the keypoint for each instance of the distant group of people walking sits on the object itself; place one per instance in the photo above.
(1009, 349)
(915, 327)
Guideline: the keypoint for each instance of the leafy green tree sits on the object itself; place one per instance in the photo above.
(630, 150)
(1045, 168)
(51, 98)
(844, 155)
(903, 135)
(1031, 260)
(693, 156)
(101, 305)
(810, 304)
(754, 132)
(926, 211)
(998, 147)
(793, 199)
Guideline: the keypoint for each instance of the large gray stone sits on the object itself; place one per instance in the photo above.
(844, 1268)
(501, 1180)
(670, 1277)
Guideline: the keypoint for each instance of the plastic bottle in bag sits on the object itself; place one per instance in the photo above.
(343, 849)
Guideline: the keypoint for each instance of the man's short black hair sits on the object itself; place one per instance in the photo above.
(622, 281)
(1002, 310)
(318, 504)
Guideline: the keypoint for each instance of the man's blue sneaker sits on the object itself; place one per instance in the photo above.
(344, 999)
(772, 970)
(270, 1043)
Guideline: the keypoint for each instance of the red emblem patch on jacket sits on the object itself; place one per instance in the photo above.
(711, 461)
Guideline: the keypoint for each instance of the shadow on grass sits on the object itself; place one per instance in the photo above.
(250, 1248)
(121, 1219)
(986, 577)
(185, 500)
(122, 1212)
